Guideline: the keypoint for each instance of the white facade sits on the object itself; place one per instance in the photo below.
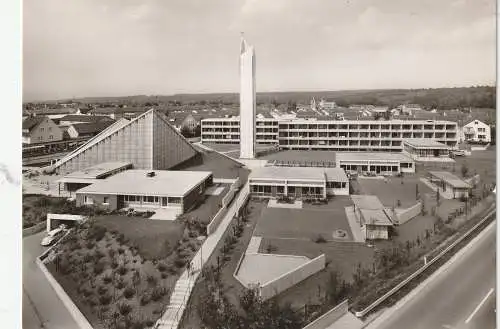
(475, 131)
(247, 101)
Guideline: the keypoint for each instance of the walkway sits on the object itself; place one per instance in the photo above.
(357, 234)
(178, 300)
(40, 301)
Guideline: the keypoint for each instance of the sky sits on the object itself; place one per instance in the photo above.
(82, 48)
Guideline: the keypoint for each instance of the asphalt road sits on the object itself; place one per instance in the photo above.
(41, 305)
(461, 297)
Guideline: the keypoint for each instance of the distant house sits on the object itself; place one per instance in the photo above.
(40, 129)
(76, 118)
(475, 131)
(327, 105)
(408, 109)
(84, 130)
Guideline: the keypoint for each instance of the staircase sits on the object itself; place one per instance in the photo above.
(178, 300)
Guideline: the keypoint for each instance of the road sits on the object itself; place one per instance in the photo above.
(462, 296)
(40, 302)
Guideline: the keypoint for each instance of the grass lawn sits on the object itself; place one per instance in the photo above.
(390, 190)
(154, 239)
(305, 224)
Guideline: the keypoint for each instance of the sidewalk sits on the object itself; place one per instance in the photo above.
(178, 300)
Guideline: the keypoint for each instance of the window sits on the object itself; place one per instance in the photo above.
(51, 137)
(42, 129)
(50, 128)
(39, 138)
(88, 200)
(174, 200)
(105, 200)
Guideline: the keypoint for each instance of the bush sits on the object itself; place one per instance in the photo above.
(105, 299)
(90, 245)
(98, 268)
(162, 267)
(158, 293)
(107, 279)
(122, 270)
(121, 251)
(114, 264)
(151, 280)
(144, 299)
(111, 253)
(102, 290)
(120, 284)
(179, 262)
(320, 239)
(164, 275)
(124, 309)
(97, 232)
(129, 292)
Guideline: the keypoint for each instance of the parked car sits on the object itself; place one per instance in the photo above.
(53, 236)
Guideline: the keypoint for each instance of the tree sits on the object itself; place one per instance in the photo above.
(438, 197)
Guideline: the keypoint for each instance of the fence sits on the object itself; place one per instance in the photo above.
(287, 280)
(329, 317)
(34, 229)
(409, 213)
(420, 270)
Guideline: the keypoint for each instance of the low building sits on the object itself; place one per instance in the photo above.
(425, 150)
(40, 129)
(87, 130)
(380, 163)
(450, 185)
(298, 182)
(147, 189)
(475, 132)
(79, 179)
(371, 215)
(72, 119)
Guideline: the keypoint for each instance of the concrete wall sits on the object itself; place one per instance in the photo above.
(329, 317)
(287, 280)
(214, 223)
(409, 213)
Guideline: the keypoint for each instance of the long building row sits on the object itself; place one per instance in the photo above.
(345, 135)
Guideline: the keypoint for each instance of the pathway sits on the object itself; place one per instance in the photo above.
(357, 234)
(178, 300)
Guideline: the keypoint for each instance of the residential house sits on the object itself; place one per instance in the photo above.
(40, 129)
(475, 131)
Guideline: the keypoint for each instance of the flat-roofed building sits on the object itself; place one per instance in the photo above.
(298, 182)
(450, 185)
(380, 163)
(371, 215)
(147, 189)
(420, 149)
(333, 135)
(79, 179)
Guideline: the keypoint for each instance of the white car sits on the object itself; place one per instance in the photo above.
(52, 236)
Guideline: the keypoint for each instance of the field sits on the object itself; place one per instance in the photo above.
(305, 224)
(392, 189)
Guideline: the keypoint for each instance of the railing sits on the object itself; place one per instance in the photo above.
(422, 269)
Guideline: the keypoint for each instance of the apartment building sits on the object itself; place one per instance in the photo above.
(333, 135)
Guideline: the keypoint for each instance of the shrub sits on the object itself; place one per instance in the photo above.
(162, 267)
(149, 323)
(158, 293)
(124, 309)
(105, 299)
(122, 270)
(164, 275)
(128, 292)
(90, 245)
(102, 290)
(320, 239)
(107, 279)
(144, 299)
(111, 253)
(151, 280)
(114, 264)
(97, 232)
(121, 238)
(86, 292)
(179, 262)
(121, 251)
(120, 284)
(98, 268)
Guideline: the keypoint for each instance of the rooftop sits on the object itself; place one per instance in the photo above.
(85, 118)
(299, 173)
(450, 179)
(367, 202)
(423, 142)
(31, 122)
(136, 182)
(357, 156)
(92, 127)
(375, 217)
(99, 170)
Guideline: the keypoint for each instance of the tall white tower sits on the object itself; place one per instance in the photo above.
(247, 101)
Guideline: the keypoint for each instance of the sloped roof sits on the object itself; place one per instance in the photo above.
(92, 127)
(85, 118)
(31, 122)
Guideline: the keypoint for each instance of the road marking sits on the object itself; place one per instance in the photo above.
(479, 306)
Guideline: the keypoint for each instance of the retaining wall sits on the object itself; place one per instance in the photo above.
(329, 317)
(287, 280)
(409, 213)
(215, 222)
(34, 229)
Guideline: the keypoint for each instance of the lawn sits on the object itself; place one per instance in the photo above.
(154, 239)
(392, 189)
(305, 224)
